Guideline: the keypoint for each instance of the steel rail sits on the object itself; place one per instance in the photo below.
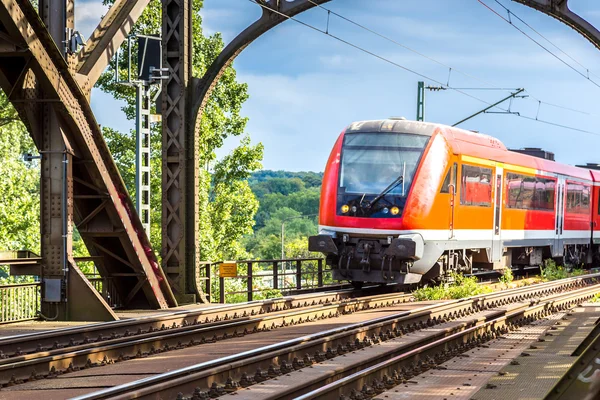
(107, 350)
(379, 377)
(424, 357)
(325, 343)
(20, 345)
(291, 355)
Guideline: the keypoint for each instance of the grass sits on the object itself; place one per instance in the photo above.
(507, 277)
(461, 287)
(551, 272)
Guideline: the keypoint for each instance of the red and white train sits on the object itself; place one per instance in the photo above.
(403, 201)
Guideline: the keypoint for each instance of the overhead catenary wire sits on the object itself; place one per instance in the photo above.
(398, 65)
(546, 39)
(450, 68)
(364, 50)
(508, 21)
(389, 39)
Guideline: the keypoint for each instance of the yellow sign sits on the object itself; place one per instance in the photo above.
(228, 269)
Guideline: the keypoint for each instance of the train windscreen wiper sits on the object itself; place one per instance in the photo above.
(385, 191)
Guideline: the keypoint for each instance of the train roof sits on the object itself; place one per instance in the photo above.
(471, 143)
(490, 148)
(394, 126)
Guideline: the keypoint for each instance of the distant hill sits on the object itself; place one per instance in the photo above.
(277, 190)
(283, 182)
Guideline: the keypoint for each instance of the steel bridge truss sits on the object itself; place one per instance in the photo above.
(36, 75)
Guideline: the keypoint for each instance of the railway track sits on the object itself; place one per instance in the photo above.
(386, 375)
(102, 344)
(295, 367)
(20, 345)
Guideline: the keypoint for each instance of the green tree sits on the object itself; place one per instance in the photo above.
(266, 242)
(19, 188)
(227, 205)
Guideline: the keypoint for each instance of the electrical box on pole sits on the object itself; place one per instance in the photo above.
(421, 101)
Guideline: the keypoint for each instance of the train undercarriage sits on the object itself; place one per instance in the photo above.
(403, 260)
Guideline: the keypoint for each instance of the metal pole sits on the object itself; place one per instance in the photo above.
(142, 154)
(282, 248)
(491, 106)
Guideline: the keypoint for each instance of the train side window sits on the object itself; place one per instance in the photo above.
(526, 192)
(578, 198)
(475, 186)
(450, 177)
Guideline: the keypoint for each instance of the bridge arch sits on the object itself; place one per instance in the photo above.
(275, 12)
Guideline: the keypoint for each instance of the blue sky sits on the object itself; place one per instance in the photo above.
(306, 87)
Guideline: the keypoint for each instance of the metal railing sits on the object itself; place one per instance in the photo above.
(258, 279)
(19, 302)
(106, 287)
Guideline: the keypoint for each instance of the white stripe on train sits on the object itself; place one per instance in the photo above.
(465, 234)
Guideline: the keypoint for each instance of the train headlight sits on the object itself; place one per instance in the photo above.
(345, 208)
(395, 210)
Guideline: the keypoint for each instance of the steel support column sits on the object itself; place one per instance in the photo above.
(180, 221)
(59, 275)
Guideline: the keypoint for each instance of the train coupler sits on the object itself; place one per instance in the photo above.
(366, 258)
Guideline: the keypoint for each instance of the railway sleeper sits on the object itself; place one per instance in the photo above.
(398, 331)
(492, 332)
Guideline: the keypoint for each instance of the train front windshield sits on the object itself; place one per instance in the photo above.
(371, 161)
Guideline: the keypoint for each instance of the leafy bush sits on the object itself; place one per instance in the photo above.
(507, 277)
(461, 287)
(578, 272)
(271, 293)
(551, 272)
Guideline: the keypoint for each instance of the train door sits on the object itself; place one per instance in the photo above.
(497, 247)
(557, 249)
(452, 190)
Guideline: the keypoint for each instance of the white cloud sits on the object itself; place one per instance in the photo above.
(88, 15)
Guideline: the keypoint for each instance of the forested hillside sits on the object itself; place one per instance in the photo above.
(289, 198)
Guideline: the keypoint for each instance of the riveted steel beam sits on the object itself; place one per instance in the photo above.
(179, 166)
(114, 231)
(106, 39)
(560, 10)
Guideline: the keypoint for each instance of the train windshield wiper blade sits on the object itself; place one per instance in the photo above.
(385, 191)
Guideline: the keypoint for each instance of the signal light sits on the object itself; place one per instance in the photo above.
(395, 210)
(345, 208)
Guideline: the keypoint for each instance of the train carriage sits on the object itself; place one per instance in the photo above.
(402, 201)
